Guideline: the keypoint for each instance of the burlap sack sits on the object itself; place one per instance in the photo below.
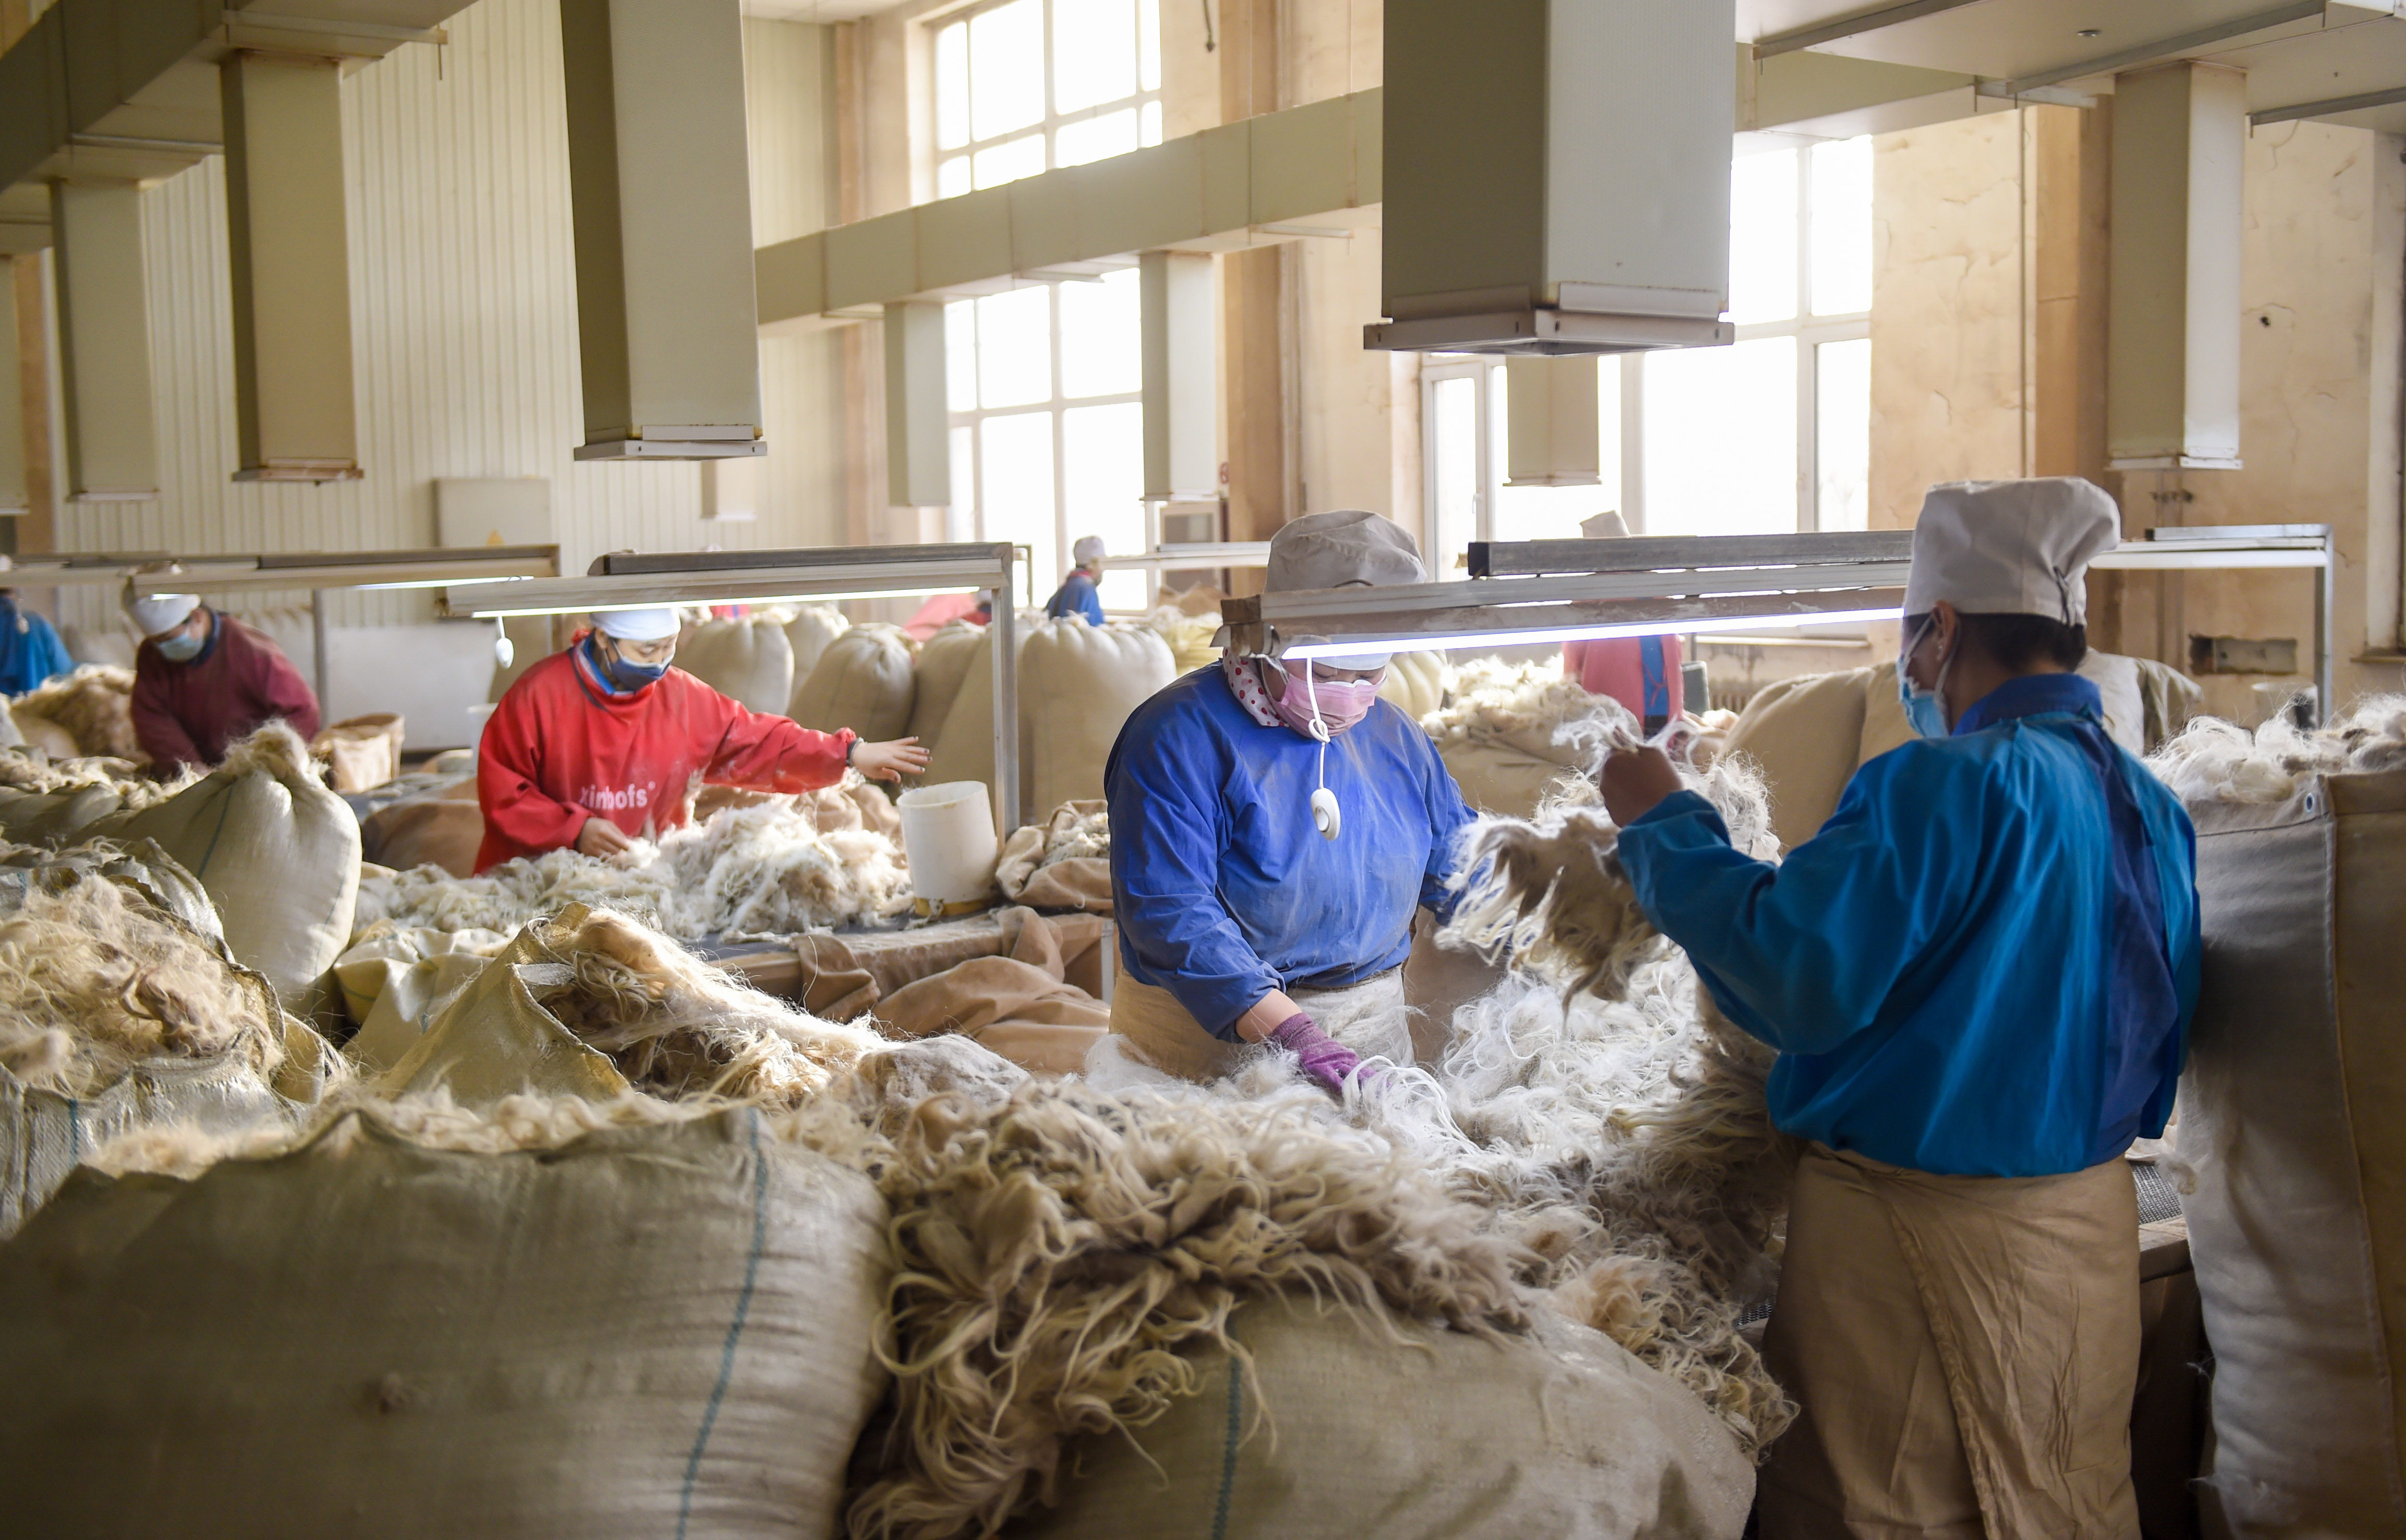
(1339, 1430)
(1076, 881)
(36, 731)
(2287, 1116)
(1509, 775)
(748, 660)
(1806, 736)
(396, 982)
(943, 664)
(1078, 685)
(495, 1039)
(964, 751)
(278, 854)
(809, 632)
(649, 1332)
(1019, 1004)
(363, 752)
(443, 828)
(47, 817)
(1415, 682)
(863, 681)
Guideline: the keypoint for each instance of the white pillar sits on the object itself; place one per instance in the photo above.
(105, 343)
(1180, 302)
(918, 424)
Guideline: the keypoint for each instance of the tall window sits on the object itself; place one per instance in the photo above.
(1769, 434)
(1028, 84)
(1044, 381)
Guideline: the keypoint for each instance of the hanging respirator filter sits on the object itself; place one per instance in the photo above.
(1324, 814)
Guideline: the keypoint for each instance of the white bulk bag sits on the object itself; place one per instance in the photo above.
(1805, 735)
(863, 681)
(1078, 685)
(748, 660)
(944, 662)
(964, 750)
(809, 632)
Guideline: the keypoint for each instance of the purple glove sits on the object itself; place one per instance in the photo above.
(1324, 1059)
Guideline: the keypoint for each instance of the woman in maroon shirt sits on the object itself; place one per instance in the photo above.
(203, 681)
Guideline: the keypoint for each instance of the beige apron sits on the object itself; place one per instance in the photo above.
(1368, 1018)
(1964, 1351)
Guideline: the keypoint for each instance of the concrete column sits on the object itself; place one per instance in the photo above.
(658, 176)
(287, 237)
(105, 343)
(1552, 423)
(1181, 377)
(12, 401)
(2172, 382)
(918, 424)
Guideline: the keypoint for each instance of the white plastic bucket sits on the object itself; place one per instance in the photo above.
(948, 834)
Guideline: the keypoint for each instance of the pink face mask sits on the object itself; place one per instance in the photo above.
(1342, 702)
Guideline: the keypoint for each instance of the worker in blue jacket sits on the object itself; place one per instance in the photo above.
(31, 653)
(1980, 976)
(1077, 594)
(1275, 826)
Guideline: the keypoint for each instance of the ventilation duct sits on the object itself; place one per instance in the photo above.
(1557, 175)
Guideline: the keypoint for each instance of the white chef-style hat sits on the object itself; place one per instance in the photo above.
(1347, 549)
(2011, 548)
(653, 623)
(1088, 549)
(155, 615)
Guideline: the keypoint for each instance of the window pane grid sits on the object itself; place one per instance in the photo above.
(1028, 86)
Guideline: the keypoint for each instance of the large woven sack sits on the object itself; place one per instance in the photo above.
(10, 737)
(863, 681)
(1509, 774)
(1415, 682)
(2288, 1117)
(495, 1039)
(747, 659)
(363, 753)
(396, 981)
(278, 854)
(109, 644)
(944, 662)
(649, 1331)
(809, 632)
(1078, 685)
(47, 817)
(964, 750)
(36, 731)
(443, 828)
(1805, 735)
(1340, 1430)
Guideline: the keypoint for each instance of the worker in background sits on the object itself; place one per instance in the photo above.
(31, 653)
(1642, 673)
(595, 747)
(203, 681)
(1980, 976)
(1077, 595)
(1274, 827)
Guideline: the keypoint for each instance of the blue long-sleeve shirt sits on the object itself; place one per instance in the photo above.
(1075, 595)
(31, 653)
(1984, 964)
(1221, 887)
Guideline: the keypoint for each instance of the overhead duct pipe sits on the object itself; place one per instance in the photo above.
(1179, 293)
(665, 304)
(13, 498)
(1557, 175)
(105, 343)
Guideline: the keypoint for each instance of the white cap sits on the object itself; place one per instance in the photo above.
(159, 613)
(2011, 548)
(1347, 549)
(1086, 550)
(1608, 525)
(653, 623)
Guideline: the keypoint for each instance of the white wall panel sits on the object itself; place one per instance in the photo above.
(465, 320)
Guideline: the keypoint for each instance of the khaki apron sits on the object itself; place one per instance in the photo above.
(1963, 1350)
(1368, 1018)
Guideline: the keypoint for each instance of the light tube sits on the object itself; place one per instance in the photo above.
(634, 603)
(1580, 634)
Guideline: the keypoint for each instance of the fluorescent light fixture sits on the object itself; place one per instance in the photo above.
(431, 582)
(635, 601)
(1346, 645)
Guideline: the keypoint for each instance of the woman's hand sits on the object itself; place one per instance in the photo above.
(889, 761)
(1635, 781)
(602, 838)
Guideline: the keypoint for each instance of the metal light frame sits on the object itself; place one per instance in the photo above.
(628, 579)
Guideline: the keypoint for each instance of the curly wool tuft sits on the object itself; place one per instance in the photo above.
(2212, 760)
(95, 706)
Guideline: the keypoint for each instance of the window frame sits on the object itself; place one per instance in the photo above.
(1053, 121)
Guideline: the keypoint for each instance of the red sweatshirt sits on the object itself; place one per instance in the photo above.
(560, 749)
(187, 713)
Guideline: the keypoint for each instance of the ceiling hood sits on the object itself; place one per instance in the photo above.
(1557, 175)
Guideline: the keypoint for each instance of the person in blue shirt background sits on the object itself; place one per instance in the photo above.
(1980, 976)
(1077, 595)
(1275, 826)
(31, 653)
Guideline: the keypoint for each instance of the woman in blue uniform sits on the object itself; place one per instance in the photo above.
(1274, 827)
(1980, 976)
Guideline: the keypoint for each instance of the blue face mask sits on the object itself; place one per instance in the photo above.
(180, 649)
(624, 675)
(1923, 709)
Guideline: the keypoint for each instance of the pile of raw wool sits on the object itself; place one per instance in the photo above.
(98, 974)
(765, 870)
(1495, 702)
(2212, 760)
(95, 706)
(37, 775)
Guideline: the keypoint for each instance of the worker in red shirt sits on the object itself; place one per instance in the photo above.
(203, 681)
(595, 747)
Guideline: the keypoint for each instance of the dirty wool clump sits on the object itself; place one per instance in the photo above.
(767, 870)
(2212, 761)
(1061, 1254)
(36, 774)
(95, 705)
(1494, 701)
(95, 981)
(679, 1029)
